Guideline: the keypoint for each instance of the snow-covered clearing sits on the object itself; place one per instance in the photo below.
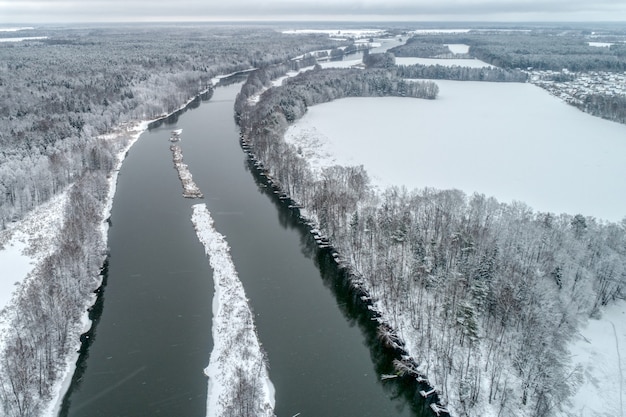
(22, 246)
(601, 352)
(600, 44)
(28, 38)
(237, 358)
(508, 140)
(470, 63)
(16, 29)
(458, 48)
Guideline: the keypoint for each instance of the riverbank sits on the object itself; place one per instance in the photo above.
(126, 138)
(403, 365)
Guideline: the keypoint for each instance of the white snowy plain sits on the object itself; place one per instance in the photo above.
(235, 342)
(458, 48)
(600, 44)
(508, 140)
(27, 38)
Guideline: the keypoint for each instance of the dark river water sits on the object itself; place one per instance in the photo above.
(152, 337)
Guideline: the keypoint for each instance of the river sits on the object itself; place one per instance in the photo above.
(152, 338)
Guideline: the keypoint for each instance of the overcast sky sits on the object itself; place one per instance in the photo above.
(41, 11)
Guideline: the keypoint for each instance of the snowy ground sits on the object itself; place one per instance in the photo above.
(28, 38)
(236, 344)
(458, 48)
(600, 44)
(601, 352)
(508, 140)
(470, 63)
(16, 29)
(22, 246)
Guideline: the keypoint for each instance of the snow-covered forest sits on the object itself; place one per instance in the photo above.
(485, 295)
(69, 107)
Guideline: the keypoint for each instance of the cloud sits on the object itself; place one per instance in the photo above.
(86, 10)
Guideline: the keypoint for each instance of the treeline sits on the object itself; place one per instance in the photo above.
(546, 51)
(319, 86)
(540, 49)
(458, 73)
(611, 107)
(57, 94)
(486, 295)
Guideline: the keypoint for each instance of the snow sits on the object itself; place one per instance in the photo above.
(600, 44)
(28, 38)
(458, 48)
(234, 336)
(16, 29)
(601, 352)
(508, 140)
(470, 63)
(22, 246)
(15, 264)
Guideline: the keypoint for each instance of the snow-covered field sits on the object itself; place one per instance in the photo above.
(470, 63)
(508, 140)
(600, 44)
(237, 351)
(458, 48)
(27, 38)
(16, 29)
